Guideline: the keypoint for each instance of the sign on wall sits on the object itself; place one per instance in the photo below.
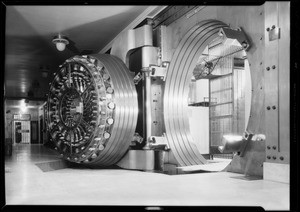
(23, 117)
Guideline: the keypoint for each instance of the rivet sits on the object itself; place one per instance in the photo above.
(105, 76)
(268, 147)
(106, 135)
(268, 29)
(244, 44)
(109, 90)
(274, 147)
(274, 107)
(274, 157)
(281, 158)
(273, 66)
(273, 27)
(261, 38)
(268, 68)
(268, 108)
(111, 105)
(269, 157)
(110, 121)
(101, 147)
(260, 63)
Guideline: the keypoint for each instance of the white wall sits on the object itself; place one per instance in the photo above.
(199, 127)
(202, 88)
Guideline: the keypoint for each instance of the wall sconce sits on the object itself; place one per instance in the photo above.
(60, 41)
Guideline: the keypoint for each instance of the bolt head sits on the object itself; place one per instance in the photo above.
(101, 147)
(110, 121)
(106, 135)
(244, 44)
(111, 105)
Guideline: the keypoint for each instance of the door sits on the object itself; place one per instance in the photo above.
(34, 132)
(41, 129)
(18, 134)
(22, 132)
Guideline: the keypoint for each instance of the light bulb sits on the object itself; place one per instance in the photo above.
(60, 46)
(23, 106)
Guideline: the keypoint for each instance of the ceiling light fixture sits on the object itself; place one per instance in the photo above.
(60, 41)
(23, 105)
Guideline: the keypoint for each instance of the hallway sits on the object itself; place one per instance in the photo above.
(27, 184)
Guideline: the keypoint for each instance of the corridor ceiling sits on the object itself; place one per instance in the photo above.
(29, 32)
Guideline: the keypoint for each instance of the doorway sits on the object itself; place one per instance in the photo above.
(21, 132)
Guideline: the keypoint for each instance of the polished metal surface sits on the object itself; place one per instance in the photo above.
(92, 109)
(277, 83)
(176, 91)
(148, 108)
(130, 40)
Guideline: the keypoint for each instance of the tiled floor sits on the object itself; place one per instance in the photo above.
(28, 184)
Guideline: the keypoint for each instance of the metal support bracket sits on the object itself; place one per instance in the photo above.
(230, 35)
(138, 77)
(157, 142)
(157, 71)
(274, 33)
(130, 40)
(240, 145)
(247, 137)
(250, 137)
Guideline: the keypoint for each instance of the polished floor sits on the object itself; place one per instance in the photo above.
(27, 184)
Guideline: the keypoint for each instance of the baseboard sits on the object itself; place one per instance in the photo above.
(276, 172)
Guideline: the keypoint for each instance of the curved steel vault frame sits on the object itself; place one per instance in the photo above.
(178, 77)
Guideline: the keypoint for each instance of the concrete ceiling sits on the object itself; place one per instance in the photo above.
(28, 40)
